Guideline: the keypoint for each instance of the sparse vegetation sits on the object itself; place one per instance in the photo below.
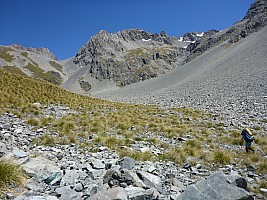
(25, 54)
(56, 65)
(5, 55)
(50, 76)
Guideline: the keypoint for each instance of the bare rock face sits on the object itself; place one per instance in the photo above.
(129, 55)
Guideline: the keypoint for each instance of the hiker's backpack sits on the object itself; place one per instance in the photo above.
(248, 135)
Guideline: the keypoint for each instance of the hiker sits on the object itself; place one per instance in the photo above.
(248, 138)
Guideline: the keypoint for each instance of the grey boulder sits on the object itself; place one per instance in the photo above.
(215, 187)
(127, 162)
(116, 193)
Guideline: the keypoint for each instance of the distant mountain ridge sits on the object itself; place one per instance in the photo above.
(129, 55)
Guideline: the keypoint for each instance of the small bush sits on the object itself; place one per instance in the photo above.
(10, 174)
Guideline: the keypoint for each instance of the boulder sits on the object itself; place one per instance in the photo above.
(45, 197)
(19, 153)
(236, 179)
(66, 193)
(136, 193)
(70, 178)
(97, 164)
(150, 180)
(43, 169)
(127, 163)
(215, 187)
(116, 193)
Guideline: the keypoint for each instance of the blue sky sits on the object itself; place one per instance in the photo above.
(64, 26)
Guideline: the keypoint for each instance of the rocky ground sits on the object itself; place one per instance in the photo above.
(69, 172)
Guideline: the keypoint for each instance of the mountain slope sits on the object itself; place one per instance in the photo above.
(228, 79)
(34, 62)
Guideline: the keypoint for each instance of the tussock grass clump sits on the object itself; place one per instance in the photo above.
(222, 157)
(192, 147)
(262, 166)
(34, 122)
(175, 154)
(111, 142)
(46, 121)
(10, 173)
(140, 156)
(47, 140)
